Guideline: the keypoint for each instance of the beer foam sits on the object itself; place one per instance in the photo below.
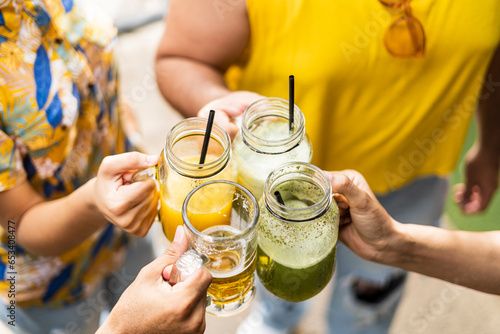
(221, 231)
(227, 262)
(231, 273)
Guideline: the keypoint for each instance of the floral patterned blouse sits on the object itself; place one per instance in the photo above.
(58, 119)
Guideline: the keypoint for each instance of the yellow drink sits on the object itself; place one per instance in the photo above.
(170, 219)
(209, 210)
(232, 272)
(229, 289)
(213, 213)
(229, 247)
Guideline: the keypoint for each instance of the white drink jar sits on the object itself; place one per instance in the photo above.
(266, 141)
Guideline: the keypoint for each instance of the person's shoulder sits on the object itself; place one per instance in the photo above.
(98, 26)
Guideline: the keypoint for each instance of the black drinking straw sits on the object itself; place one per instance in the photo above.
(206, 140)
(291, 101)
(279, 198)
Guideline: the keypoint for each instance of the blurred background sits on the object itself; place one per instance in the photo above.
(428, 305)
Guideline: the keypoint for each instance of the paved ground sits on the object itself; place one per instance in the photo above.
(428, 305)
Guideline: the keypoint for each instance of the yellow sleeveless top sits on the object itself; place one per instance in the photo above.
(392, 119)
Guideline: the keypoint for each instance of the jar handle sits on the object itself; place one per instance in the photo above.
(145, 174)
(187, 264)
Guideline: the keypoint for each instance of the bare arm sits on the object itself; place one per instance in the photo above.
(488, 111)
(50, 227)
(471, 259)
(53, 227)
(201, 40)
(483, 160)
(178, 309)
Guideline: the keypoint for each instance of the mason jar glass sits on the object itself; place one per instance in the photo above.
(179, 170)
(297, 237)
(227, 249)
(265, 142)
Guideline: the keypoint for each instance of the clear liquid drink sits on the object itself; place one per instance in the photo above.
(265, 142)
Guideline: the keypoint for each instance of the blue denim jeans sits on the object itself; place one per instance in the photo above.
(421, 202)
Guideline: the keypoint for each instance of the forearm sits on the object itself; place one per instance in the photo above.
(198, 46)
(488, 111)
(471, 259)
(107, 328)
(189, 84)
(53, 227)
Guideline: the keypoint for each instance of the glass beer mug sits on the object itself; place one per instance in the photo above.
(265, 142)
(179, 171)
(298, 231)
(227, 249)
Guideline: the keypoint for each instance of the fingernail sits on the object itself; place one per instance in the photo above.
(343, 205)
(178, 233)
(152, 159)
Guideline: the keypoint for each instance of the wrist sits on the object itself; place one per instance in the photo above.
(398, 247)
(108, 327)
(90, 196)
(489, 149)
(86, 197)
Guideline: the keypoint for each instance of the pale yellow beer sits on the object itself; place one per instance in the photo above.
(232, 276)
(229, 247)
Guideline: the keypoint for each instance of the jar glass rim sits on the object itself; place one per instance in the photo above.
(297, 172)
(271, 107)
(183, 130)
(250, 228)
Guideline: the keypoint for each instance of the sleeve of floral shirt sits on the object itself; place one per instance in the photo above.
(14, 115)
(51, 53)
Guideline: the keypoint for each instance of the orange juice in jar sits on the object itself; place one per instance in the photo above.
(214, 211)
(179, 172)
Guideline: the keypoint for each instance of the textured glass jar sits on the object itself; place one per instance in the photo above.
(227, 249)
(265, 142)
(297, 240)
(179, 171)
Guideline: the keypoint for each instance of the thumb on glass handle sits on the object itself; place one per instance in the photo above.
(187, 264)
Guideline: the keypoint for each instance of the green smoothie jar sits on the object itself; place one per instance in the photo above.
(265, 142)
(298, 232)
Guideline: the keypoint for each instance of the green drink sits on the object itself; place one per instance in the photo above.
(297, 238)
(294, 284)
